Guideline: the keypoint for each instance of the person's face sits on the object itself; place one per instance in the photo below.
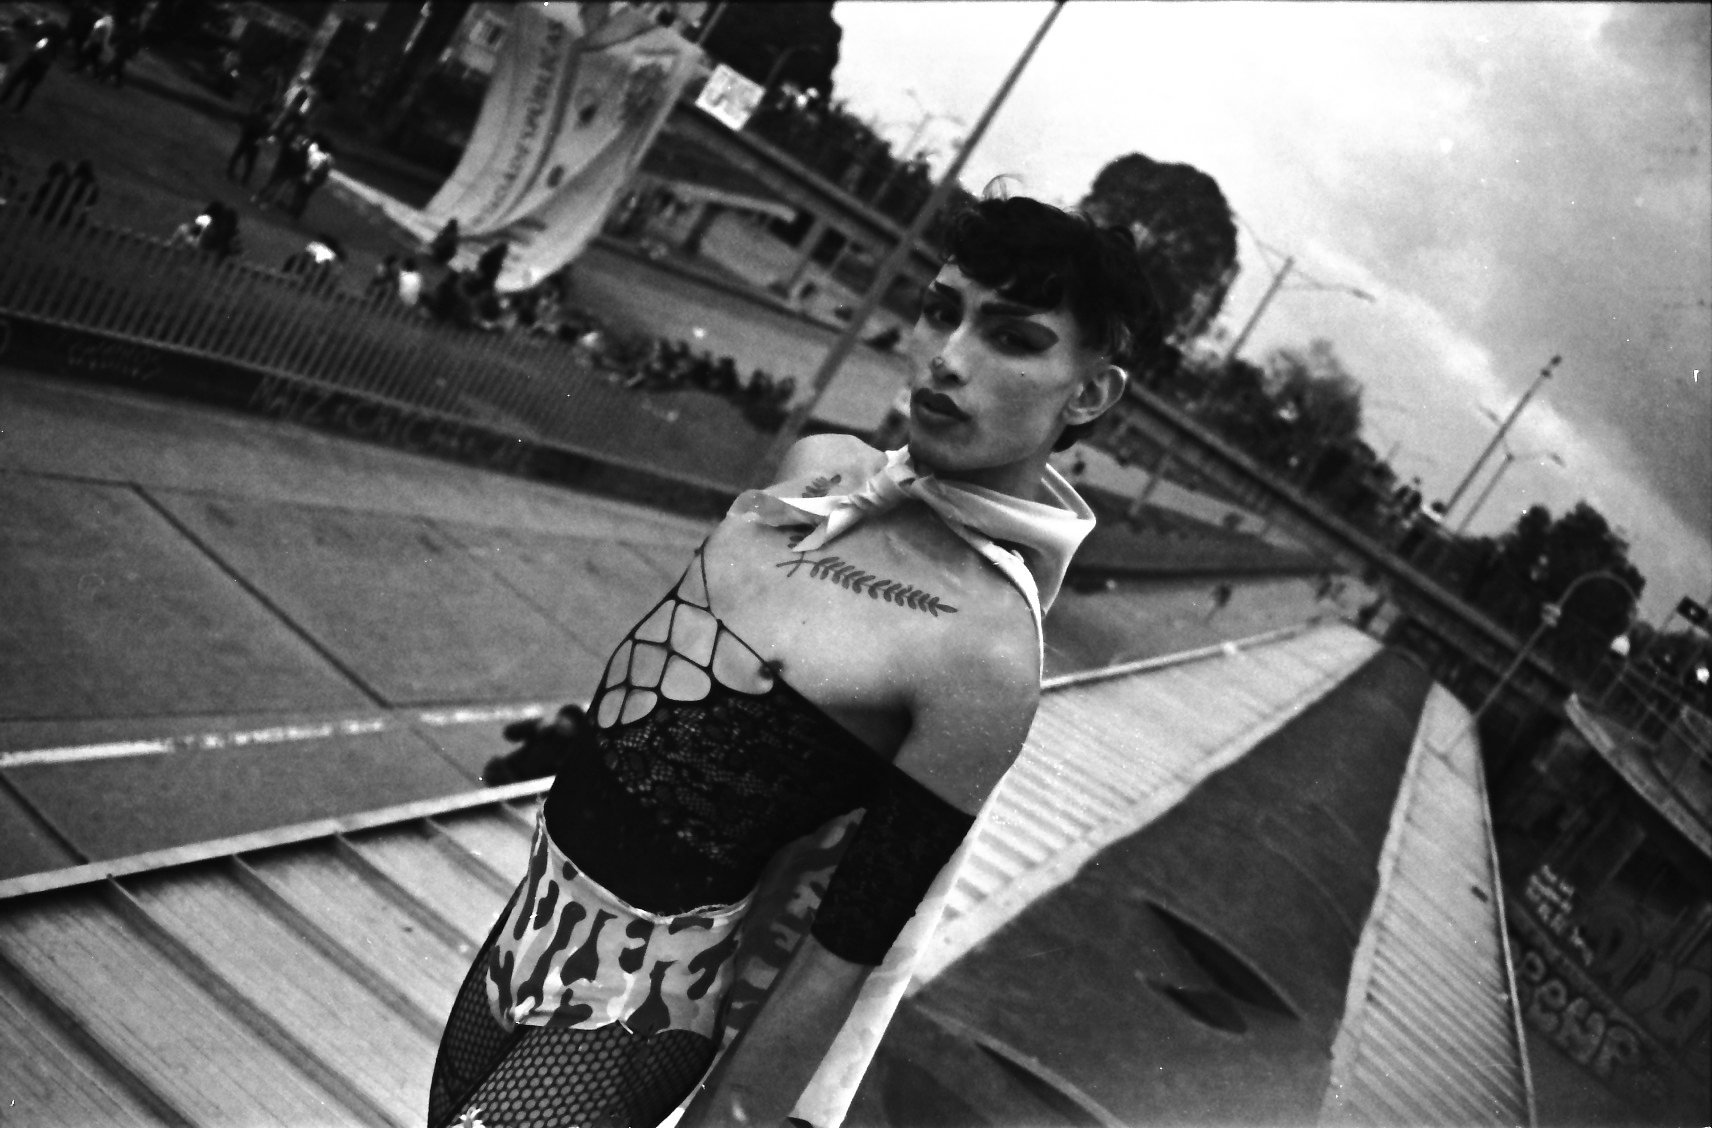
(994, 383)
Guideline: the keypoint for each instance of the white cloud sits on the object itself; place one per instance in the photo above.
(1326, 126)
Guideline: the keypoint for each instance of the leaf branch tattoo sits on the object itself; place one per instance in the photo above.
(851, 578)
(822, 485)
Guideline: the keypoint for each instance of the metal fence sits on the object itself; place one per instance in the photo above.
(72, 272)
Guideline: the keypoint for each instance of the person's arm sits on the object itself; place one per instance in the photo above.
(966, 730)
(760, 1079)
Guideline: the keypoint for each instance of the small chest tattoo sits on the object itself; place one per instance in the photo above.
(822, 485)
(848, 576)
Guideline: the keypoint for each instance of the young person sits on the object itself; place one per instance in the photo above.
(865, 633)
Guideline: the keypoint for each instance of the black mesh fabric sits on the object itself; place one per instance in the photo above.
(899, 847)
(556, 1077)
(679, 803)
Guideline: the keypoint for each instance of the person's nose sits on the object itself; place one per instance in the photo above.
(953, 363)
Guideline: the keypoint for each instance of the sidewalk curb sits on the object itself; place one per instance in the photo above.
(101, 359)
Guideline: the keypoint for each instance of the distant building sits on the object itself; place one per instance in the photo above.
(1606, 841)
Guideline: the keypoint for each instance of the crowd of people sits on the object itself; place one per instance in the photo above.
(96, 41)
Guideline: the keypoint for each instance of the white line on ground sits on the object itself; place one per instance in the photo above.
(277, 734)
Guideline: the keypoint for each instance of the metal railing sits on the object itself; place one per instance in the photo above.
(303, 332)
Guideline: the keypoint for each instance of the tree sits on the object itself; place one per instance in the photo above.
(1537, 560)
(1178, 215)
(1579, 543)
(1313, 392)
(752, 38)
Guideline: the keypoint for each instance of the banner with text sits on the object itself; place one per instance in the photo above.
(578, 93)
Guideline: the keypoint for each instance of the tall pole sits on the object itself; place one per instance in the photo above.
(894, 261)
(707, 24)
(1503, 429)
(1253, 318)
(1509, 457)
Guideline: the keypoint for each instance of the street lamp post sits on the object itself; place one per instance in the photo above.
(921, 124)
(1253, 318)
(1509, 457)
(1503, 429)
(1550, 614)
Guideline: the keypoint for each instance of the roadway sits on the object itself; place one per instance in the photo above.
(220, 623)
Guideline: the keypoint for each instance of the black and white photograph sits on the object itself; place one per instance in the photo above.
(855, 564)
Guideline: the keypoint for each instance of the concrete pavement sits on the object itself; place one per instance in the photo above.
(219, 623)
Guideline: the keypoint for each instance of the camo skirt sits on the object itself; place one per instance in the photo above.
(581, 1009)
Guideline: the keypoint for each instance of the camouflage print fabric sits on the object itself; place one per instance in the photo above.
(569, 953)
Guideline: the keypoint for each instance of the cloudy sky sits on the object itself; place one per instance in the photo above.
(1510, 181)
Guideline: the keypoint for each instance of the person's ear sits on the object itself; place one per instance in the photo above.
(1096, 395)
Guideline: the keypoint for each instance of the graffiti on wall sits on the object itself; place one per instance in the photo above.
(1669, 995)
(1552, 899)
(403, 427)
(1586, 1033)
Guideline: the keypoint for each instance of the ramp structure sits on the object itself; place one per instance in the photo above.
(301, 975)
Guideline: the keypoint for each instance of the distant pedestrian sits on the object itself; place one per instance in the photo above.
(251, 131)
(445, 245)
(317, 166)
(80, 19)
(409, 283)
(95, 50)
(32, 66)
(82, 193)
(127, 41)
(288, 165)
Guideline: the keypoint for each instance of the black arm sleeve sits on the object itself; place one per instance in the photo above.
(903, 841)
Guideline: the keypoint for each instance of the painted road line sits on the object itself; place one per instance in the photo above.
(276, 734)
(504, 714)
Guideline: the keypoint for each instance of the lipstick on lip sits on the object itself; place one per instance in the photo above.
(938, 403)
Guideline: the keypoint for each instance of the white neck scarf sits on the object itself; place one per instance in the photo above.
(1036, 539)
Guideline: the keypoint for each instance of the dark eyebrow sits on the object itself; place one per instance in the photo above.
(1010, 309)
(989, 309)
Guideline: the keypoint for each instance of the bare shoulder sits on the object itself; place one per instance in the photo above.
(843, 461)
(972, 702)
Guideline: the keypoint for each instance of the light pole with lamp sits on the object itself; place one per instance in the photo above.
(1503, 429)
(1272, 289)
(1550, 614)
(921, 125)
(1510, 456)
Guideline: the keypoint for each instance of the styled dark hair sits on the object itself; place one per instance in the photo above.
(1047, 257)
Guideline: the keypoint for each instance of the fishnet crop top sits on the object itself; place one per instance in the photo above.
(705, 763)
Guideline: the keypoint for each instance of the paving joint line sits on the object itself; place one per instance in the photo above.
(434, 717)
(256, 593)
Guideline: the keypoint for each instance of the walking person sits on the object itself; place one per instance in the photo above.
(863, 633)
(31, 67)
(317, 167)
(288, 165)
(127, 41)
(93, 50)
(444, 244)
(242, 163)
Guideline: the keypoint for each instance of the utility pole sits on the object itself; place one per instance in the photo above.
(707, 24)
(1503, 430)
(1265, 299)
(894, 261)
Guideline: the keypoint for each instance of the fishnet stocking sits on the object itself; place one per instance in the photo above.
(547, 1077)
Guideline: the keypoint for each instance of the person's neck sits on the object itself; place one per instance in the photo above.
(1024, 479)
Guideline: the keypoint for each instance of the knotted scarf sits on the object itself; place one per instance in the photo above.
(1030, 542)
